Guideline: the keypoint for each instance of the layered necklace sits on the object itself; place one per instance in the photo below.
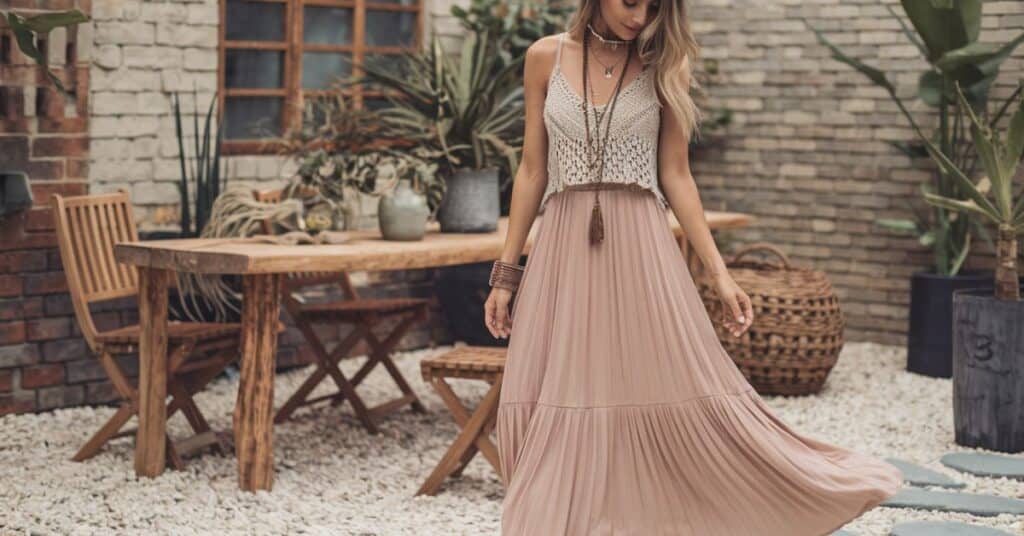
(610, 43)
(595, 156)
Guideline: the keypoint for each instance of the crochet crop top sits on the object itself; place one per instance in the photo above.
(631, 155)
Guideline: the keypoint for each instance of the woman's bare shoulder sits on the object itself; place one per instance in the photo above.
(540, 55)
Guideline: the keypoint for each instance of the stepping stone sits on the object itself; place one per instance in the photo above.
(971, 503)
(919, 475)
(985, 464)
(944, 528)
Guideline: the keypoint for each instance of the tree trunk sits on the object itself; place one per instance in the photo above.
(1007, 283)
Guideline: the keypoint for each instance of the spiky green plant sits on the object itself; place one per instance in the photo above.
(28, 31)
(203, 170)
(1000, 157)
(468, 110)
(946, 32)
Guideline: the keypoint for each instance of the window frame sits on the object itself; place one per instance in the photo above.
(291, 92)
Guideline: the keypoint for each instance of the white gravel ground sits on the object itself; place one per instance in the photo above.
(333, 478)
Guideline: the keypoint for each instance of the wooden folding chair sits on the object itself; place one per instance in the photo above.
(485, 363)
(88, 227)
(364, 314)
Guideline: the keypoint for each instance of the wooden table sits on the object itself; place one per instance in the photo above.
(261, 266)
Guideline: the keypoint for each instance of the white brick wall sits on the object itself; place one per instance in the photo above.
(144, 49)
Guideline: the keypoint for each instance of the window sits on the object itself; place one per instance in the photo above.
(276, 53)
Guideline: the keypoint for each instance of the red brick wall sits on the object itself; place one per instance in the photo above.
(44, 135)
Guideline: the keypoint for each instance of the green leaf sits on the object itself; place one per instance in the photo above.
(990, 151)
(186, 216)
(911, 150)
(954, 204)
(45, 23)
(927, 239)
(929, 88)
(1015, 139)
(961, 256)
(876, 76)
(966, 183)
(944, 25)
(986, 57)
(903, 225)
(911, 36)
(25, 38)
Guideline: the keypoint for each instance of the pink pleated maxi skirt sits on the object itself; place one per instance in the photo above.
(621, 414)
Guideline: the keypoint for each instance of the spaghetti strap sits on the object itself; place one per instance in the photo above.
(558, 53)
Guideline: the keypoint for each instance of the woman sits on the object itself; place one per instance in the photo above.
(620, 412)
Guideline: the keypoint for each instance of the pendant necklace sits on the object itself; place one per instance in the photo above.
(596, 229)
(610, 43)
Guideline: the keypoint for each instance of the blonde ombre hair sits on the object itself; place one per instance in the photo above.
(668, 45)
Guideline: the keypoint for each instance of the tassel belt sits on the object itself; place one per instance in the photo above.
(606, 186)
(595, 230)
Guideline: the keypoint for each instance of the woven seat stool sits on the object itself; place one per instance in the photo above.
(486, 363)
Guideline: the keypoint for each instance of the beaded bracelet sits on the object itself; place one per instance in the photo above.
(506, 275)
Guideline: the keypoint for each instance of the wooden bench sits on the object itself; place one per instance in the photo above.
(486, 363)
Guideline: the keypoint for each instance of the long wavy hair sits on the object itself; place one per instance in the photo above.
(667, 45)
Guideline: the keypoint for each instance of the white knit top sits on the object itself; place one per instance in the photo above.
(631, 153)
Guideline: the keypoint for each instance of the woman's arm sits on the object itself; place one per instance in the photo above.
(531, 179)
(681, 192)
(532, 176)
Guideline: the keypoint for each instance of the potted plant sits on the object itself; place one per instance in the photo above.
(345, 151)
(988, 349)
(468, 112)
(947, 34)
(203, 178)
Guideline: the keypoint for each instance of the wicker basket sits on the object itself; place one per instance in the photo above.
(798, 327)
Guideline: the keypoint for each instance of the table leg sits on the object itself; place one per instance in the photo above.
(150, 439)
(254, 408)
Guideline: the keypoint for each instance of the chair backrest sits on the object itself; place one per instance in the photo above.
(304, 279)
(88, 227)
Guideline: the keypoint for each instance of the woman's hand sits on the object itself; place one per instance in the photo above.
(496, 312)
(736, 303)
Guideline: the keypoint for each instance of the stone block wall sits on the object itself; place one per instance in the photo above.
(807, 152)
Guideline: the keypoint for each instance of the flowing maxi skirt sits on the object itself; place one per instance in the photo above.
(621, 413)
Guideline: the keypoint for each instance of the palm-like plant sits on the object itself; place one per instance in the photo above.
(1000, 159)
(467, 109)
(946, 32)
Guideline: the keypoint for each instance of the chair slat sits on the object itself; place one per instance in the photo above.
(83, 251)
(104, 246)
(107, 216)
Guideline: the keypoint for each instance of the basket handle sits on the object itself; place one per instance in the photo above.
(761, 246)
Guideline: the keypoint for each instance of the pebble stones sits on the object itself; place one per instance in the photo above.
(918, 475)
(971, 503)
(985, 464)
(944, 528)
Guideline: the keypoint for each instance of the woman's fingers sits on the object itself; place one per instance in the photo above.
(502, 317)
(748, 310)
(489, 316)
